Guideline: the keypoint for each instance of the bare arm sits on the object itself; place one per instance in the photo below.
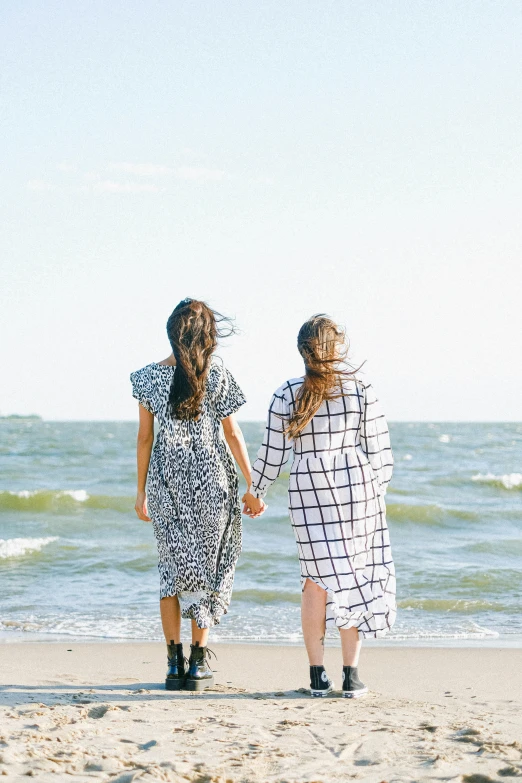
(234, 438)
(143, 452)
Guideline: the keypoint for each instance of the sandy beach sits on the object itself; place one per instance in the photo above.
(82, 711)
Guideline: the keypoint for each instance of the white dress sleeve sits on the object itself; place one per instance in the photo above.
(225, 393)
(276, 447)
(144, 389)
(375, 438)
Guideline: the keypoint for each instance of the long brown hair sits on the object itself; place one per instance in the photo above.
(322, 344)
(193, 330)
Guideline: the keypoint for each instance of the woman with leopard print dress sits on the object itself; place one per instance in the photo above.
(192, 486)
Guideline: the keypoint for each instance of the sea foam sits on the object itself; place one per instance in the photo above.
(80, 495)
(61, 501)
(507, 481)
(17, 547)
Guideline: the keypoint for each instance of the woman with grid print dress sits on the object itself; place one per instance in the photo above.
(342, 465)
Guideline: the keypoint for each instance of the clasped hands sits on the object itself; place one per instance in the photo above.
(253, 507)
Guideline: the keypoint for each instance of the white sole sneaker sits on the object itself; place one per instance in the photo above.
(355, 694)
(317, 694)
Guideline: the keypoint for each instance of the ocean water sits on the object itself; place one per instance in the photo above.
(76, 562)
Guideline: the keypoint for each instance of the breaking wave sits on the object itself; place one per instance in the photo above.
(18, 547)
(507, 481)
(61, 500)
(428, 514)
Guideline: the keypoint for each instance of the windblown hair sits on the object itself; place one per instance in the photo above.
(322, 344)
(193, 330)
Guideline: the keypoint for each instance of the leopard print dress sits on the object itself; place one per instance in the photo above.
(192, 493)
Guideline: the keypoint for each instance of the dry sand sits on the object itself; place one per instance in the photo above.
(99, 712)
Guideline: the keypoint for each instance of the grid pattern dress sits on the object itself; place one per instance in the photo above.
(342, 464)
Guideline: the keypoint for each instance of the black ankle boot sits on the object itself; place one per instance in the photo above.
(352, 686)
(320, 683)
(199, 674)
(176, 667)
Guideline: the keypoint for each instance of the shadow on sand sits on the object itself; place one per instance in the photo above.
(130, 692)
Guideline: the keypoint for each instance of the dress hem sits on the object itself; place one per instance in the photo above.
(344, 620)
(204, 616)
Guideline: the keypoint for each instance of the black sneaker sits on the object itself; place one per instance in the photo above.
(320, 683)
(353, 688)
(176, 667)
(199, 674)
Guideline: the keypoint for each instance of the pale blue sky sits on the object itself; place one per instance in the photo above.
(276, 159)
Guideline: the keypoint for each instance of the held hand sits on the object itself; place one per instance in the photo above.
(253, 507)
(141, 506)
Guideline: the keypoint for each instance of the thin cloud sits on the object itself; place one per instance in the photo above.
(200, 174)
(67, 168)
(193, 173)
(139, 176)
(141, 169)
(263, 180)
(39, 185)
(110, 186)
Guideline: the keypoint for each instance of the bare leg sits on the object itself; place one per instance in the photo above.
(313, 619)
(199, 634)
(351, 646)
(171, 619)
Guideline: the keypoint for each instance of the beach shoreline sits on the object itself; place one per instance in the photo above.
(99, 710)
(501, 642)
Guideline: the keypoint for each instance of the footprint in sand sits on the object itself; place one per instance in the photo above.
(99, 711)
(148, 745)
(125, 680)
(225, 689)
(429, 727)
(93, 766)
(468, 735)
